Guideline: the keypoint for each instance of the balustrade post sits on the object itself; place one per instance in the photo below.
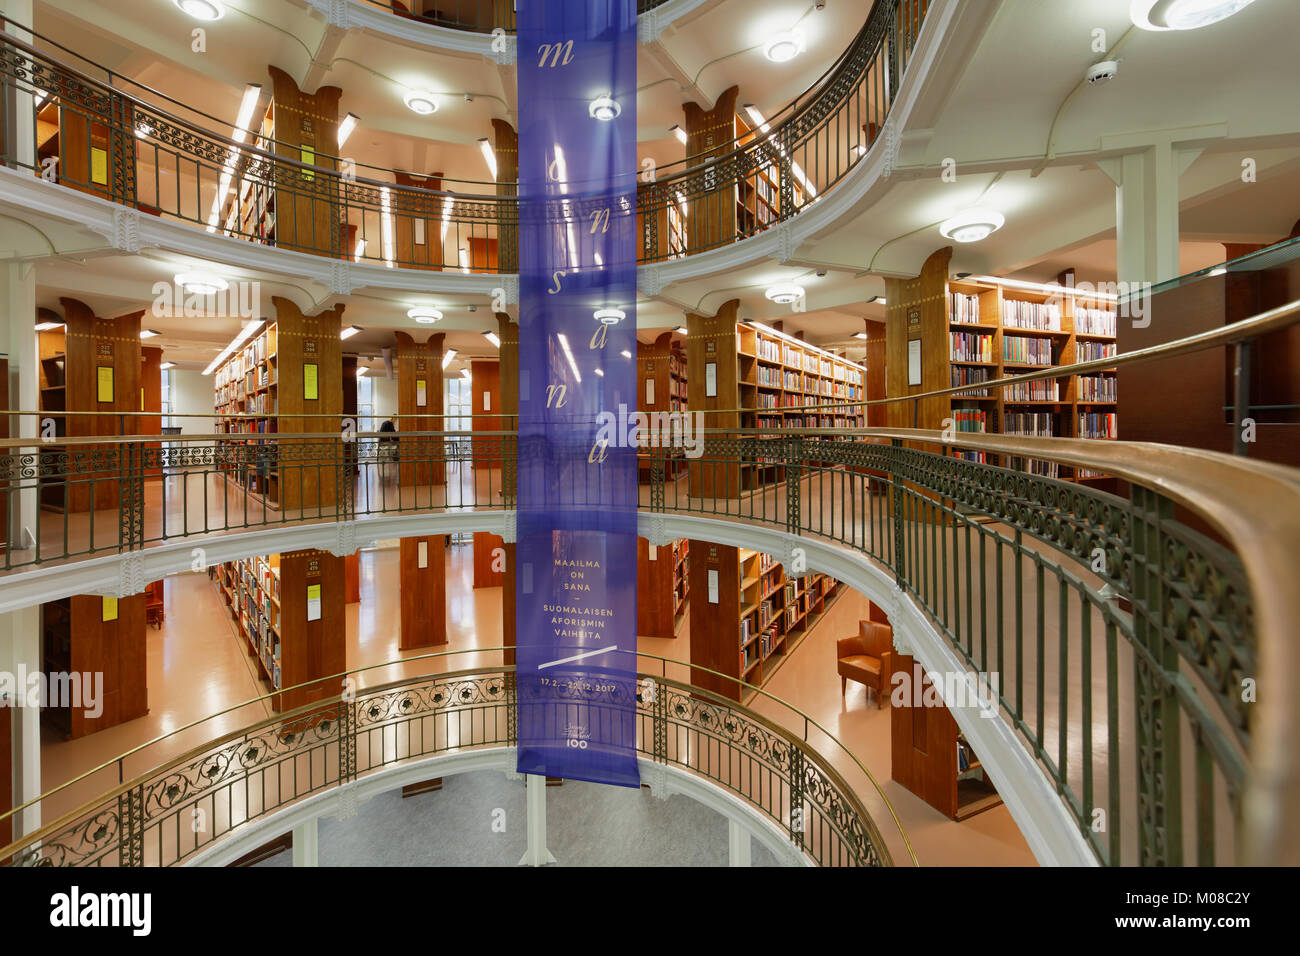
(121, 132)
(659, 722)
(793, 478)
(130, 827)
(658, 492)
(896, 508)
(1159, 771)
(347, 740)
(130, 489)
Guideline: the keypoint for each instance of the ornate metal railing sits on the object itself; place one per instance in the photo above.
(185, 805)
(476, 16)
(97, 132)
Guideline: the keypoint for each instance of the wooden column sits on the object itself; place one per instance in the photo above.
(107, 351)
(150, 401)
(710, 219)
(505, 143)
(711, 340)
(92, 635)
(307, 202)
(419, 375)
(917, 310)
(423, 563)
(302, 341)
(485, 383)
(311, 649)
(715, 627)
(417, 223)
(873, 385)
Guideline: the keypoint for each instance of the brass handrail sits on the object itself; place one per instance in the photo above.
(50, 829)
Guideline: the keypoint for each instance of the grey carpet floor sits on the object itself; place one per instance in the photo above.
(478, 819)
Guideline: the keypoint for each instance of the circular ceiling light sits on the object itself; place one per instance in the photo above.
(201, 283)
(424, 315)
(784, 46)
(785, 293)
(207, 10)
(420, 101)
(604, 108)
(609, 316)
(1183, 14)
(971, 225)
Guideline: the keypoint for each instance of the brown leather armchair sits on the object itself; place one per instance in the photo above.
(866, 658)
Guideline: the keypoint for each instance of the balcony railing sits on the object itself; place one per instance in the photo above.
(100, 133)
(776, 765)
(476, 16)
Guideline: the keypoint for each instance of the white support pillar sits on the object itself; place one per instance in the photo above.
(306, 844)
(738, 844)
(18, 300)
(535, 801)
(21, 128)
(20, 654)
(1146, 210)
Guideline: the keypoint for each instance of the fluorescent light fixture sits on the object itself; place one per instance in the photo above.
(350, 331)
(859, 335)
(346, 127)
(1182, 14)
(48, 326)
(626, 354)
(244, 335)
(1221, 271)
(166, 365)
(424, 314)
(420, 101)
(489, 156)
(600, 372)
(678, 132)
(784, 47)
(362, 371)
(604, 108)
(568, 353)
(447, 357)
(206, 10)
(386, 224)
(785, 293)
(359, 251)
(493, 338)
(149, 333)
(680, 330)
(971, 225)
(447, 205)
(795, 168)
(252, 93)
(466, 375)
(201, 283)
(609, 316)
(1045, 288)
(464, 260)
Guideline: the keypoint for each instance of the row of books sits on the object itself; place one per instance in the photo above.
(1098, 425)
(1018, 314)
(969, 375)
(1090, 351)
(1023, 351)
(1049, 391)
(964, 308)
(971, 346)
(970, 419)
(1094, 321)
(1097, 388)
(1037, 424)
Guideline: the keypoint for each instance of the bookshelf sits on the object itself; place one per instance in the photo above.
(663, 587)
(975, 331)
(758, 197)
(759, 617)
(661, 387)
(289, 614)
(247, 403)
(89, 634)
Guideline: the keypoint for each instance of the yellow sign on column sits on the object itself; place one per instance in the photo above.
(110, 609)
(309, 386)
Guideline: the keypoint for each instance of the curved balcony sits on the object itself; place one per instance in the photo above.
(256, 775)
(475, 16)
(135, 147)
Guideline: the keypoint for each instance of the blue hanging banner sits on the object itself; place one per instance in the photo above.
(576, 558)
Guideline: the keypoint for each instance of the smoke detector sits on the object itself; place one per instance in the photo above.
(1101, 72)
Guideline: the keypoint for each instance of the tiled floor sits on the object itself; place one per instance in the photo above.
(198, 668)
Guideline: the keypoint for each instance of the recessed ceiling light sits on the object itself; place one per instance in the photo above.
(466, 375)
(350, 331)
(149, 333)
(489, 156)
(859, 335)
(600, 372)
(971, 225)
(784, 46)
(447, 356)
(167, 365)
(48, 326)
(201, 283)
(362, 371)
(346, 126)
(1183, 14)
(202, 9)
(680, 330)
(678, 132)
(604, 108)
(626, 354)
(493, 338)
(420, 101)
(609, 316)
(785, 293)
(424, 315)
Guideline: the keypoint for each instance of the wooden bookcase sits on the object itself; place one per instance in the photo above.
(423, 586)
(417, 222)
(663, 587)
(271, 599)
(661, 387)
(87, 634)
(972, 332)
(248, 384)
(773, 374)
(420, 393)
(759, 618)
